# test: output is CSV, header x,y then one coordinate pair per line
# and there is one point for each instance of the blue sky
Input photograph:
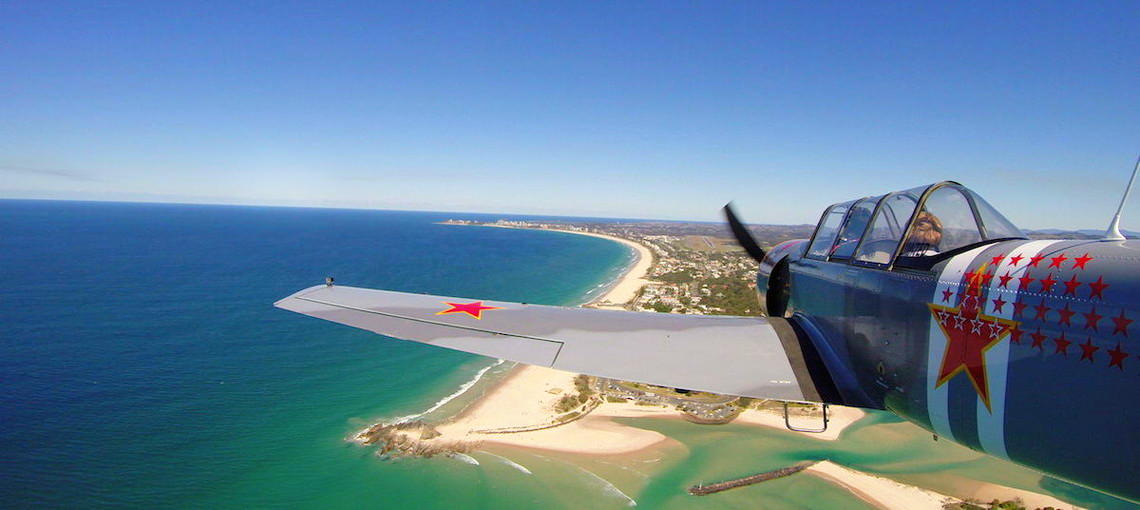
x,y
646,110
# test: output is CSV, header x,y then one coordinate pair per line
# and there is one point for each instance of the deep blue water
x,y
142,361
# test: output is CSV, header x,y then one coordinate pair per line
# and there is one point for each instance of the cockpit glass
x,y
886,231
828,228
994,224
853,229
945,222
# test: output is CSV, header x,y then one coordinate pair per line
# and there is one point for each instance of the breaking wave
x,y
443,401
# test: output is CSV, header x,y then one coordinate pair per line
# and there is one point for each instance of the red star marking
x,y
1066,314
1005,280
1079,262
966,346
1042,311
946,295
1056,261
1015,260
1047,283
1034,260
1071,286
1118,357
1091,319
1015,334
1122,323
1038,340
1062,345
473,309
999,303
1098,288
1024,281
997,260
1018,307
1087,350
986,277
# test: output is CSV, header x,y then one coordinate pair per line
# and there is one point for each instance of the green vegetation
x,y
615,400
660,307
732,296
582,384
682,276
972,504
566,403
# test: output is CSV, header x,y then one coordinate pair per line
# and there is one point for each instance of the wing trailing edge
x,y
743,356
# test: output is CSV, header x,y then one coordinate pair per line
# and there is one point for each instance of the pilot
x,y
924,237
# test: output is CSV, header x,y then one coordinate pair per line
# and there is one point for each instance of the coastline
x,y
526,396
626,286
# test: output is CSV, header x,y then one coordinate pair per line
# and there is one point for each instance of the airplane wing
x,y
746,356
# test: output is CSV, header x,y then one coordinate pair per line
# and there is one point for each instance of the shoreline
x,y
624,288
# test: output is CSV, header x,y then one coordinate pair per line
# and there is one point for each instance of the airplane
x,y
925,302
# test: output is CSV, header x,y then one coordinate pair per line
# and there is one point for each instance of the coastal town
x,y
696,268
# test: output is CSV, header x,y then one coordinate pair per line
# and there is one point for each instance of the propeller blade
x,y
743,237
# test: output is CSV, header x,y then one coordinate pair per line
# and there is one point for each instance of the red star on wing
x,y
997,260
1098,288
1047,283
1091,319
1066,314
1038,340
474,309
1056,261
1042,311
1079,262
1087,350
946,295
1015,260
1122,323
1036,259
1071,286
1118,357
1062,345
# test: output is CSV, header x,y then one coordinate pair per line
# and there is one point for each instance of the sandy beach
x,y
631,281
879,491
839,418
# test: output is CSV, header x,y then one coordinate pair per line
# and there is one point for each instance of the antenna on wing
x,y
1113,232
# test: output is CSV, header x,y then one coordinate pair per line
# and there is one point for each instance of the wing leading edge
x,y
743,356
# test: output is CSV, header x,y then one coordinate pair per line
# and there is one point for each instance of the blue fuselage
x,y
1022,349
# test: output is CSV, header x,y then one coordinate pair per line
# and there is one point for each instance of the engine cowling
x,y
773,285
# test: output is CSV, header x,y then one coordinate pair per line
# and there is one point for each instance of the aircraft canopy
x,y
909,228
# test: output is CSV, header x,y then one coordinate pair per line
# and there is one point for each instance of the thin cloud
x,y
50,172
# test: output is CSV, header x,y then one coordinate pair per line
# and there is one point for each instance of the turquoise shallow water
x,y
143,364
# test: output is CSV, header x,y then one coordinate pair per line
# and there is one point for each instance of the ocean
x,y
143,364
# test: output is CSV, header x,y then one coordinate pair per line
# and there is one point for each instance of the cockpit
x,y
914,228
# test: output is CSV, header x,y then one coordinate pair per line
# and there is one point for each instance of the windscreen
x,y
828,228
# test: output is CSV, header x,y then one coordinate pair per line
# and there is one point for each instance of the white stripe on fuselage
x,y
938,398
991,421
